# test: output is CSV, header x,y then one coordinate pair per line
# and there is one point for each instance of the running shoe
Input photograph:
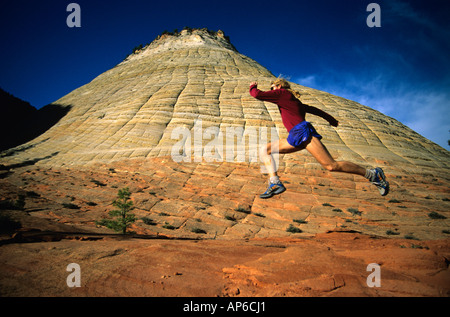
x,y
273,189
379,180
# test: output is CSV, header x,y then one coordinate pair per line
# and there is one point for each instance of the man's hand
x,y
254,83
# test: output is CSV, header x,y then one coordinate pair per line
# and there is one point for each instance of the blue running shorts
x,y
301,134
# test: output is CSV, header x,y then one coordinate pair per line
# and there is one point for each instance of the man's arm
x,y
271,95
317,112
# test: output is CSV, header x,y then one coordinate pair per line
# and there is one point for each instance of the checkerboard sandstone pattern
x,y
123,120
130,110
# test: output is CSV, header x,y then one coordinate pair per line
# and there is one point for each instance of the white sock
x,y
369,174
274,180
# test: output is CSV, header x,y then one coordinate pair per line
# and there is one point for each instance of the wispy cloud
x,y
399,9
425,109
429,35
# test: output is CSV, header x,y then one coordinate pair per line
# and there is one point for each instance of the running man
x,y
302,135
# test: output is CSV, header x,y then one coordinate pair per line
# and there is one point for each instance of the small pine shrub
x,y
123,216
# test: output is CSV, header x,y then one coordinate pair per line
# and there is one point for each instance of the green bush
x,y
198,230
354,212
293,229
435,215
148,221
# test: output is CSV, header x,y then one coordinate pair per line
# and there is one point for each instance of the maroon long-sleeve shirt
x,y
292,110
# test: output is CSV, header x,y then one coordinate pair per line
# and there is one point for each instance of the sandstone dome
x,y
131,110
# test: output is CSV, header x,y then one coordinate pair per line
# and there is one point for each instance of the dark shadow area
x,y
36,235
19,149
20,122
26,163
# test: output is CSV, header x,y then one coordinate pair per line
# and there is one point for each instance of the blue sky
x,y
401,68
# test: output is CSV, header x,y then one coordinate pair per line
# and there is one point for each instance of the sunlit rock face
x,y
197,79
